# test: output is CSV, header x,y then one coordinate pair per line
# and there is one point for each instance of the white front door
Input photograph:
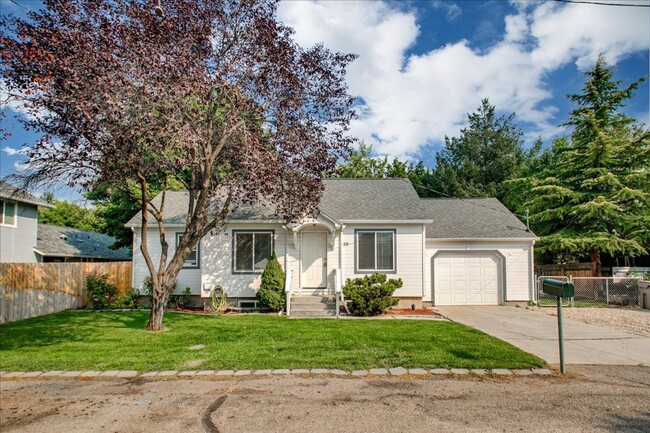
x,y
314,260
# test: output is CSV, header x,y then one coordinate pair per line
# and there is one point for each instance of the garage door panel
x,y
466,279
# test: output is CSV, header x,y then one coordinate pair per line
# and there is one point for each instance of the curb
x,y
317,372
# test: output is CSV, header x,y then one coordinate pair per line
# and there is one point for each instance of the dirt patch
x,y
633,320
410,312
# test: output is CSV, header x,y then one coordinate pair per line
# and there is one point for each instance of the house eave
x,y
522,239
388,221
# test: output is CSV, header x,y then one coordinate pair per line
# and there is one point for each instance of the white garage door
x,y
466,279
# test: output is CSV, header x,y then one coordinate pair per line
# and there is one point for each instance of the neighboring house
x,y
65,244
446,251
18,224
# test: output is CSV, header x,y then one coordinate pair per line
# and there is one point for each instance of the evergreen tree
x,y
594,195
271,292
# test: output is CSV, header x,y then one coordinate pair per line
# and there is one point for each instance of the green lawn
x,y
116,340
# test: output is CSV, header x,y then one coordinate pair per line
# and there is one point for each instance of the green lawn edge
x,y
74,340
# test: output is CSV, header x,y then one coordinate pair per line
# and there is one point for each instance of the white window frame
x,y
393,232
234,249
241,301
2,213
191,264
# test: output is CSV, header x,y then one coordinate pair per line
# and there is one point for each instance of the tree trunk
x,y
157,312
595,257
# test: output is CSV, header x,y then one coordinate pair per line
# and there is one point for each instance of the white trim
x,y
2,213
386,221
239,302
482,239
375,231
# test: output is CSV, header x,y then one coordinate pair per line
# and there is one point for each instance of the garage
x,y
467,279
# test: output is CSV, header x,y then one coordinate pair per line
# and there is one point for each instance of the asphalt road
x,y
591,399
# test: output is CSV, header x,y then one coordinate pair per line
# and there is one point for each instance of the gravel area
x,y
633,320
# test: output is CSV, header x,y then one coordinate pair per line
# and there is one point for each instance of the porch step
x,y
313,306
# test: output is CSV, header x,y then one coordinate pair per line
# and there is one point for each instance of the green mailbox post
x,y
559,289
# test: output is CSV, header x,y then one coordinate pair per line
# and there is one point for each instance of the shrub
x,y
371,295
180,301
271,293
128,300
100,291
147,285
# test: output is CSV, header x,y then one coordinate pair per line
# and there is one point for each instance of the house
x,y
446,251
65,244
18,224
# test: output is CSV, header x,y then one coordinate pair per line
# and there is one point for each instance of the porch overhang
x,y
322,220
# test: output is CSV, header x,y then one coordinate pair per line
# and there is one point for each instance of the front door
x,y
314,260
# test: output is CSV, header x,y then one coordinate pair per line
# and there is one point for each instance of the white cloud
x,y
10,151
417,100
452,10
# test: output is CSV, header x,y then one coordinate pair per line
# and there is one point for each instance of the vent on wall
x,y
247,304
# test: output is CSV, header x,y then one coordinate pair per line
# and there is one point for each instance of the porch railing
x,y
287,290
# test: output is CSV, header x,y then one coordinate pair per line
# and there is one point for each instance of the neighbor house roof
x,y
55,241
11,192
345,200
472,218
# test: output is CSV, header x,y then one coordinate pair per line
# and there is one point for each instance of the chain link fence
x,y
594,291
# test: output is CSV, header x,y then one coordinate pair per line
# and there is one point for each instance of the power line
x,y
629,5
18,4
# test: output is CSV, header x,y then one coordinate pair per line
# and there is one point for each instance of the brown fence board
x,y
34,289
566,269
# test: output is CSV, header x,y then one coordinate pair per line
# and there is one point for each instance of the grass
x,y
116,340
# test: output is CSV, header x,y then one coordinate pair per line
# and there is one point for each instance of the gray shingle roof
x,y
475,218
58,241
343,200
14,193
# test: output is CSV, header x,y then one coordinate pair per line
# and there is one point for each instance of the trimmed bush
x,y
271,293
180,301
371,295
128,300
100,291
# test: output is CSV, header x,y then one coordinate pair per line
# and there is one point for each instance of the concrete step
x,y
312,299
312,307
312,314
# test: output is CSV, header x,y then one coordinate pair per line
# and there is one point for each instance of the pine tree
x,y
271,292
594,195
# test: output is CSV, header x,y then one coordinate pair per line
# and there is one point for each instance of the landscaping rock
x,y
337,372
110,373
263,372
205,373
479,371
168,373
439,371
461,371
542,371
501,372
522,372
360,373
300,371
319,371
91,373
187,373
150,374
282,371
398,371
378,371
418,371
127,374
242,373
70,374
225,372
32,374
13,374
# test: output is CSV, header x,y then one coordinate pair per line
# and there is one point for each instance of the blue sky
x,y
424,65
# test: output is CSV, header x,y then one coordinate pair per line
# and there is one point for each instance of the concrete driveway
x,y
536,333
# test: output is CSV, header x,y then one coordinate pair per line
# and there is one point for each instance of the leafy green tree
x,y
593,195
361,164
271,292
487,153
66,214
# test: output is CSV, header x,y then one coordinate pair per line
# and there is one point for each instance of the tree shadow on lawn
x,y
65,327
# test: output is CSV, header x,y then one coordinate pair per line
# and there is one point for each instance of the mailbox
x,y
561,289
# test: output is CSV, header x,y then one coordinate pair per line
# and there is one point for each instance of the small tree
x,y
271,293
372,294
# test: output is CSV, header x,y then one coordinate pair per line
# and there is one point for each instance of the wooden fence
x,y
566,269
35,289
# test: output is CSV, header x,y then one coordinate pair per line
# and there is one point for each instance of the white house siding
x,y
186,278
409,259
216,261
518,266
17,243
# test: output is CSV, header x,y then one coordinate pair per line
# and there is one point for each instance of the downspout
x,y
424,238
531,255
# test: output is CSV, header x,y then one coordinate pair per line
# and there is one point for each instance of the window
x,y
375,250
247,304
8,213
192,260
251,250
